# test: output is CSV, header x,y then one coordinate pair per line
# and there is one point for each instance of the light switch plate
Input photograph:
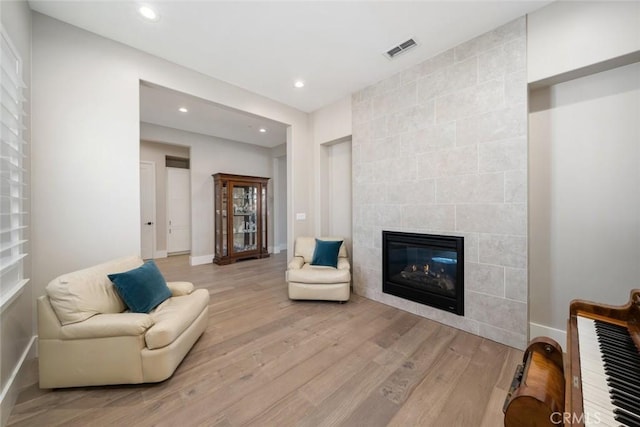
x,y
301,216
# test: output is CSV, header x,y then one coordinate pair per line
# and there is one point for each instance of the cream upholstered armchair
x,y
319,270
92,331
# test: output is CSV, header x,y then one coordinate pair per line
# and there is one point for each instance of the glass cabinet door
x,y
221,219
244,226
263,217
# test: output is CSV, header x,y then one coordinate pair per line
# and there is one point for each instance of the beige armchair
x,y
318,282
86,337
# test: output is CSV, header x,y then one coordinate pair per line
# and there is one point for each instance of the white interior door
x,y
178,210
147,209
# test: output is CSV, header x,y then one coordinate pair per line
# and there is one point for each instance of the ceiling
x,y
159,106
335,47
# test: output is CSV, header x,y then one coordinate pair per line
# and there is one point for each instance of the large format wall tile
x,y
456,161
484,278
510,251
441,148
483,188
496,218
503,155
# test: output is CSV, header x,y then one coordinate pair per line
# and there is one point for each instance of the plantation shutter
x,y
13,176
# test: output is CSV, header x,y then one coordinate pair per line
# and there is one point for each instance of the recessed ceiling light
x,y
148,13
263,130
183,110
299,83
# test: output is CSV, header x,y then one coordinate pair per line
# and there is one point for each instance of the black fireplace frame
x,y
443,302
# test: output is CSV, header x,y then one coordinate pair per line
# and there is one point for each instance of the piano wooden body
x,y
597,385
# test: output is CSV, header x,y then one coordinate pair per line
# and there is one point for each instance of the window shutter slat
x,y
13,184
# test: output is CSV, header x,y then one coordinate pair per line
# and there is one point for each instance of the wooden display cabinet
x,y
240,217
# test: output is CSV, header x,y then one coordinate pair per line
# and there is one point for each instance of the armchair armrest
x,y
296,263
180,288
108,325
343,264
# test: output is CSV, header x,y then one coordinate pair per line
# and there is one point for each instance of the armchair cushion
x,y
142,288
174,316
326,253
319,275
108,325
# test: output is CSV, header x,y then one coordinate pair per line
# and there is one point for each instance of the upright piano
x,y
596,384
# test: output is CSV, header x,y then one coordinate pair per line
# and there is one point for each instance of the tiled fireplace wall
x,y
442,148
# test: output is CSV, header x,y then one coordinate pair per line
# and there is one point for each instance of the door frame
x,y
152,165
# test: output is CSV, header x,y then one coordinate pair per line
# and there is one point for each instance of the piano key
x,y
625,382
627,356
621,375
625,403
618,343
625,388
598,397
625,419
610,363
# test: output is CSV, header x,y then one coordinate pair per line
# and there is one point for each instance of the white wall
x,y
584,148
210,155
332,122
86,205
86,139
569,35
17,318
568,42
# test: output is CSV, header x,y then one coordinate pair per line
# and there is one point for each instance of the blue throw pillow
x,y
142,289
326,253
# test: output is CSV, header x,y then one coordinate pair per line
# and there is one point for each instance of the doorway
x,y
340,189
215,138
335,196
162,155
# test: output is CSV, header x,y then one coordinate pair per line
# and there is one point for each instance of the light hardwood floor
x,y
268,361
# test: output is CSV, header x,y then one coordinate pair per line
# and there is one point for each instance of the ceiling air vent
x,y
397,50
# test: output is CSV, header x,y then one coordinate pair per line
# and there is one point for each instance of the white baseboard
x,y
201,259
12,388
160,254
536,330
278,248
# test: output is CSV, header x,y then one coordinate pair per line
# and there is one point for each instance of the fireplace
x,y
425,268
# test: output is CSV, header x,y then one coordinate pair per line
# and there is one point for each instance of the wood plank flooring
x,y
268,361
